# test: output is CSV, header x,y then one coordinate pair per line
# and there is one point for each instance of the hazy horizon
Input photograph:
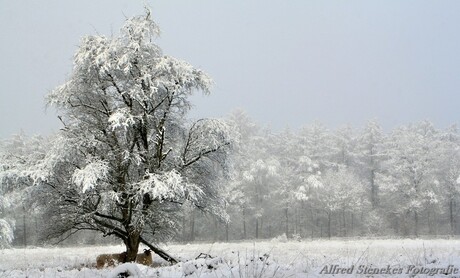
x,y
284,63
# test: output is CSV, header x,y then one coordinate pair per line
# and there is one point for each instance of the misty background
x,y
287,63
388,68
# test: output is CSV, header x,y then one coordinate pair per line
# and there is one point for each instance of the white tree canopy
x,y
127,158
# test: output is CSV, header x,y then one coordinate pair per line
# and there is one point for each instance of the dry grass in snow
x,y
244,259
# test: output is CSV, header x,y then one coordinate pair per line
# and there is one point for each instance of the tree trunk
x,y
226,231
244,224
344,223
352,224
314,220
416,223
430,225
216,229
261,228
321,230
373,190
24,235
184,233
319,223
132,245
286,228
451,217
192,226
329,234
257,228
297,228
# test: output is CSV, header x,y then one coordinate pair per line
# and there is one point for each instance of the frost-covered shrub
x,y
296,237
243,267
281,238
376,223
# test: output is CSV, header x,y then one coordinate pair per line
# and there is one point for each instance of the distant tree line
x,y
321,183
307,183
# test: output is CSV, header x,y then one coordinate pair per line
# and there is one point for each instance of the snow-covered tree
x,y
343,192
409,183
260,179
299,178
315,142
127,159
256,177
17,156
448,173
343,146
250,147
370,155
6,226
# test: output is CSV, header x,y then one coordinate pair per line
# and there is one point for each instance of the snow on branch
x,y
121,118
180,74
141,28
169,186
207,136
88,177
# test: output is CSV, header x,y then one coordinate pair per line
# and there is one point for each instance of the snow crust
x,y
275,258
130,269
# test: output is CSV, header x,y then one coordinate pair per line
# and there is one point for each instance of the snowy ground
x,y
253,259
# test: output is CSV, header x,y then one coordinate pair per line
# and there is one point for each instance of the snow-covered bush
x,y
280,238
296,237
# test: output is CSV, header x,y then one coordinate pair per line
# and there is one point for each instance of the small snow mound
x,y
125,270
201,265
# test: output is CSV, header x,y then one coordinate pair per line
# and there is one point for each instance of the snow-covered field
x,y
318,258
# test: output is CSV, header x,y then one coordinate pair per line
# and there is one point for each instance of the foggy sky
x,y
284,62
